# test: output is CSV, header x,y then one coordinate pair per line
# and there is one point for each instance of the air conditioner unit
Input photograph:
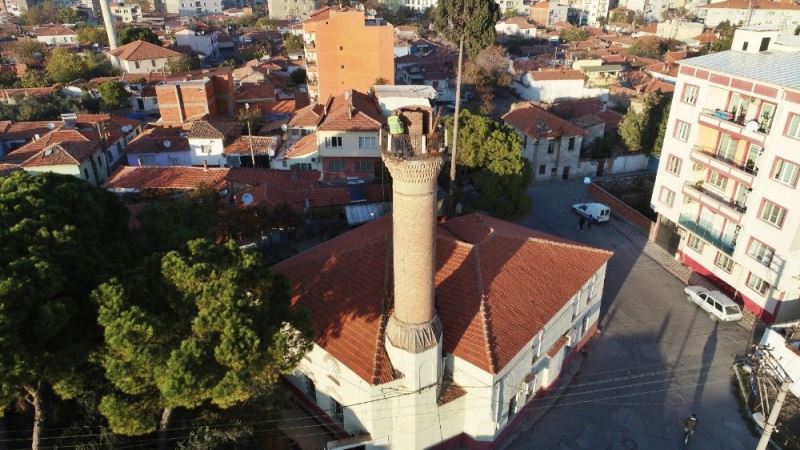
x,y
571,338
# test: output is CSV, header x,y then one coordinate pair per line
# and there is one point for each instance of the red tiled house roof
x,y
546,75
30,149
153,140
174,177
262,145
352,111
494,289
527,119
63,154
139,50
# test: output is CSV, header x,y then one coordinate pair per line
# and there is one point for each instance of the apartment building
x,y
346,49
727,180
201,93
126,13
290,9
141,57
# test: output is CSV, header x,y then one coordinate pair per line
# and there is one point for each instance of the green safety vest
x,y
395,125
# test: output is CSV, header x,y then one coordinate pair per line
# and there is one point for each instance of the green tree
x,y
639,127
292,43
69,15
130,34
299,76
61,238
207,324
651,47
92,35
34,78
182,64
113,95
42,14
28,108
64,66
491,157
253,116
573,35
470,23
8,80
662,128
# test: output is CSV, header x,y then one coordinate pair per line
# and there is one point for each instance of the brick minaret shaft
x,y
414,325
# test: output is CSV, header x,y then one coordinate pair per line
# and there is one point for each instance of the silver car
x,y
718,305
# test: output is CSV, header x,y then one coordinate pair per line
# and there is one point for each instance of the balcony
x,y
310,45
716,238
698,192
709,156
734,123
410,146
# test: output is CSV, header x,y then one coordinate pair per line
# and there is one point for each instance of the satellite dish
x,y
126,128
167,143
247,199
284,127
51,125
751,126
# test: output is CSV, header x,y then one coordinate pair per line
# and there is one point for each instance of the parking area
x,y
658,359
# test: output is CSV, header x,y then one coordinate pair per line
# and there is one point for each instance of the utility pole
x,y
250,135
769,427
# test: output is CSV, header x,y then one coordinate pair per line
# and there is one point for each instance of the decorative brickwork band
x,y
414,337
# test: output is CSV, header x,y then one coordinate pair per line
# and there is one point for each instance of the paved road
x,y
657,360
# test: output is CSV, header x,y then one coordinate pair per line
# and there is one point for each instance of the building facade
x,y
126,13
141,57
728,174
784,16
345,49
291,9
200,94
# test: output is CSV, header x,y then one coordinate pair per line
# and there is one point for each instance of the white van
x,y
718,305
595,212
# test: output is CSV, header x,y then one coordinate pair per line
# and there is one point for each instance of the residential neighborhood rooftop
x,y
768,66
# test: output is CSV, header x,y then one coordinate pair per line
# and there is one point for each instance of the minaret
x,y
414,331
109,23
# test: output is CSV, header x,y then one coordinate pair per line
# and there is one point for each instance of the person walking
x,y
581,223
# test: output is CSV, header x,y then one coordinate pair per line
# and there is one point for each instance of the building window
x,y
311,390
147,160
667,197
367,142
695,243
335,141
724,262
85,174
786,172
542,169
773,213
690,94
755,283
336,165
726,149
205,149
299,166
717,180
793,130
760,252
363,166
674,165
571,143
551,146
173,161
682,131
337,412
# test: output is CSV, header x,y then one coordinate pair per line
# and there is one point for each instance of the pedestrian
x,y
581,223
589,223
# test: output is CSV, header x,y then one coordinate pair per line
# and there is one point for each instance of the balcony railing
x,y
747,166
725,115
410,146
738,206
716,238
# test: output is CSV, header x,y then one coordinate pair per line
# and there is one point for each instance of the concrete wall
x,y
551,90
214,157
182,158
58,40
144,66
349,146
290,9
620,208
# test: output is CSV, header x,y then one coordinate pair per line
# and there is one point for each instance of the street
x,y
658,359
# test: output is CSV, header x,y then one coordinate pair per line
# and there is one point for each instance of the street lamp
x,y
250,135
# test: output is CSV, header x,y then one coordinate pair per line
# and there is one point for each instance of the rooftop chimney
x,y
109,23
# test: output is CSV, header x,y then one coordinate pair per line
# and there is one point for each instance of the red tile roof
x,y
55,31
309,116
139,50
528,118
174,177
255,91
547,75
154,140
305,146
214,129
707,37
262,145
29,150
63,154
494,289
33,92
352,111
255,177
585,107
557,346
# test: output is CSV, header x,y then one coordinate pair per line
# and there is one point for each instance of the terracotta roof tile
x,y
255,91
557,346
305,146
262,145
494,288
547,75
139,50
309,116
174,177
255,177
29,150
63,154
154,140
33,92
55,31
528,119
450,391
213,129
352,111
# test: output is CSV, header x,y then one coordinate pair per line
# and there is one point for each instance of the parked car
x,y
718,305
595,212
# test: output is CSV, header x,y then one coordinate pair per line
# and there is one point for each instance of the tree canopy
x,y
28,50
182,64
61,238
113,95
492,159
573,34
639,127
48,12
471,20
207,324
28,108
88,35
130,34
651,47
292,43
64,66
